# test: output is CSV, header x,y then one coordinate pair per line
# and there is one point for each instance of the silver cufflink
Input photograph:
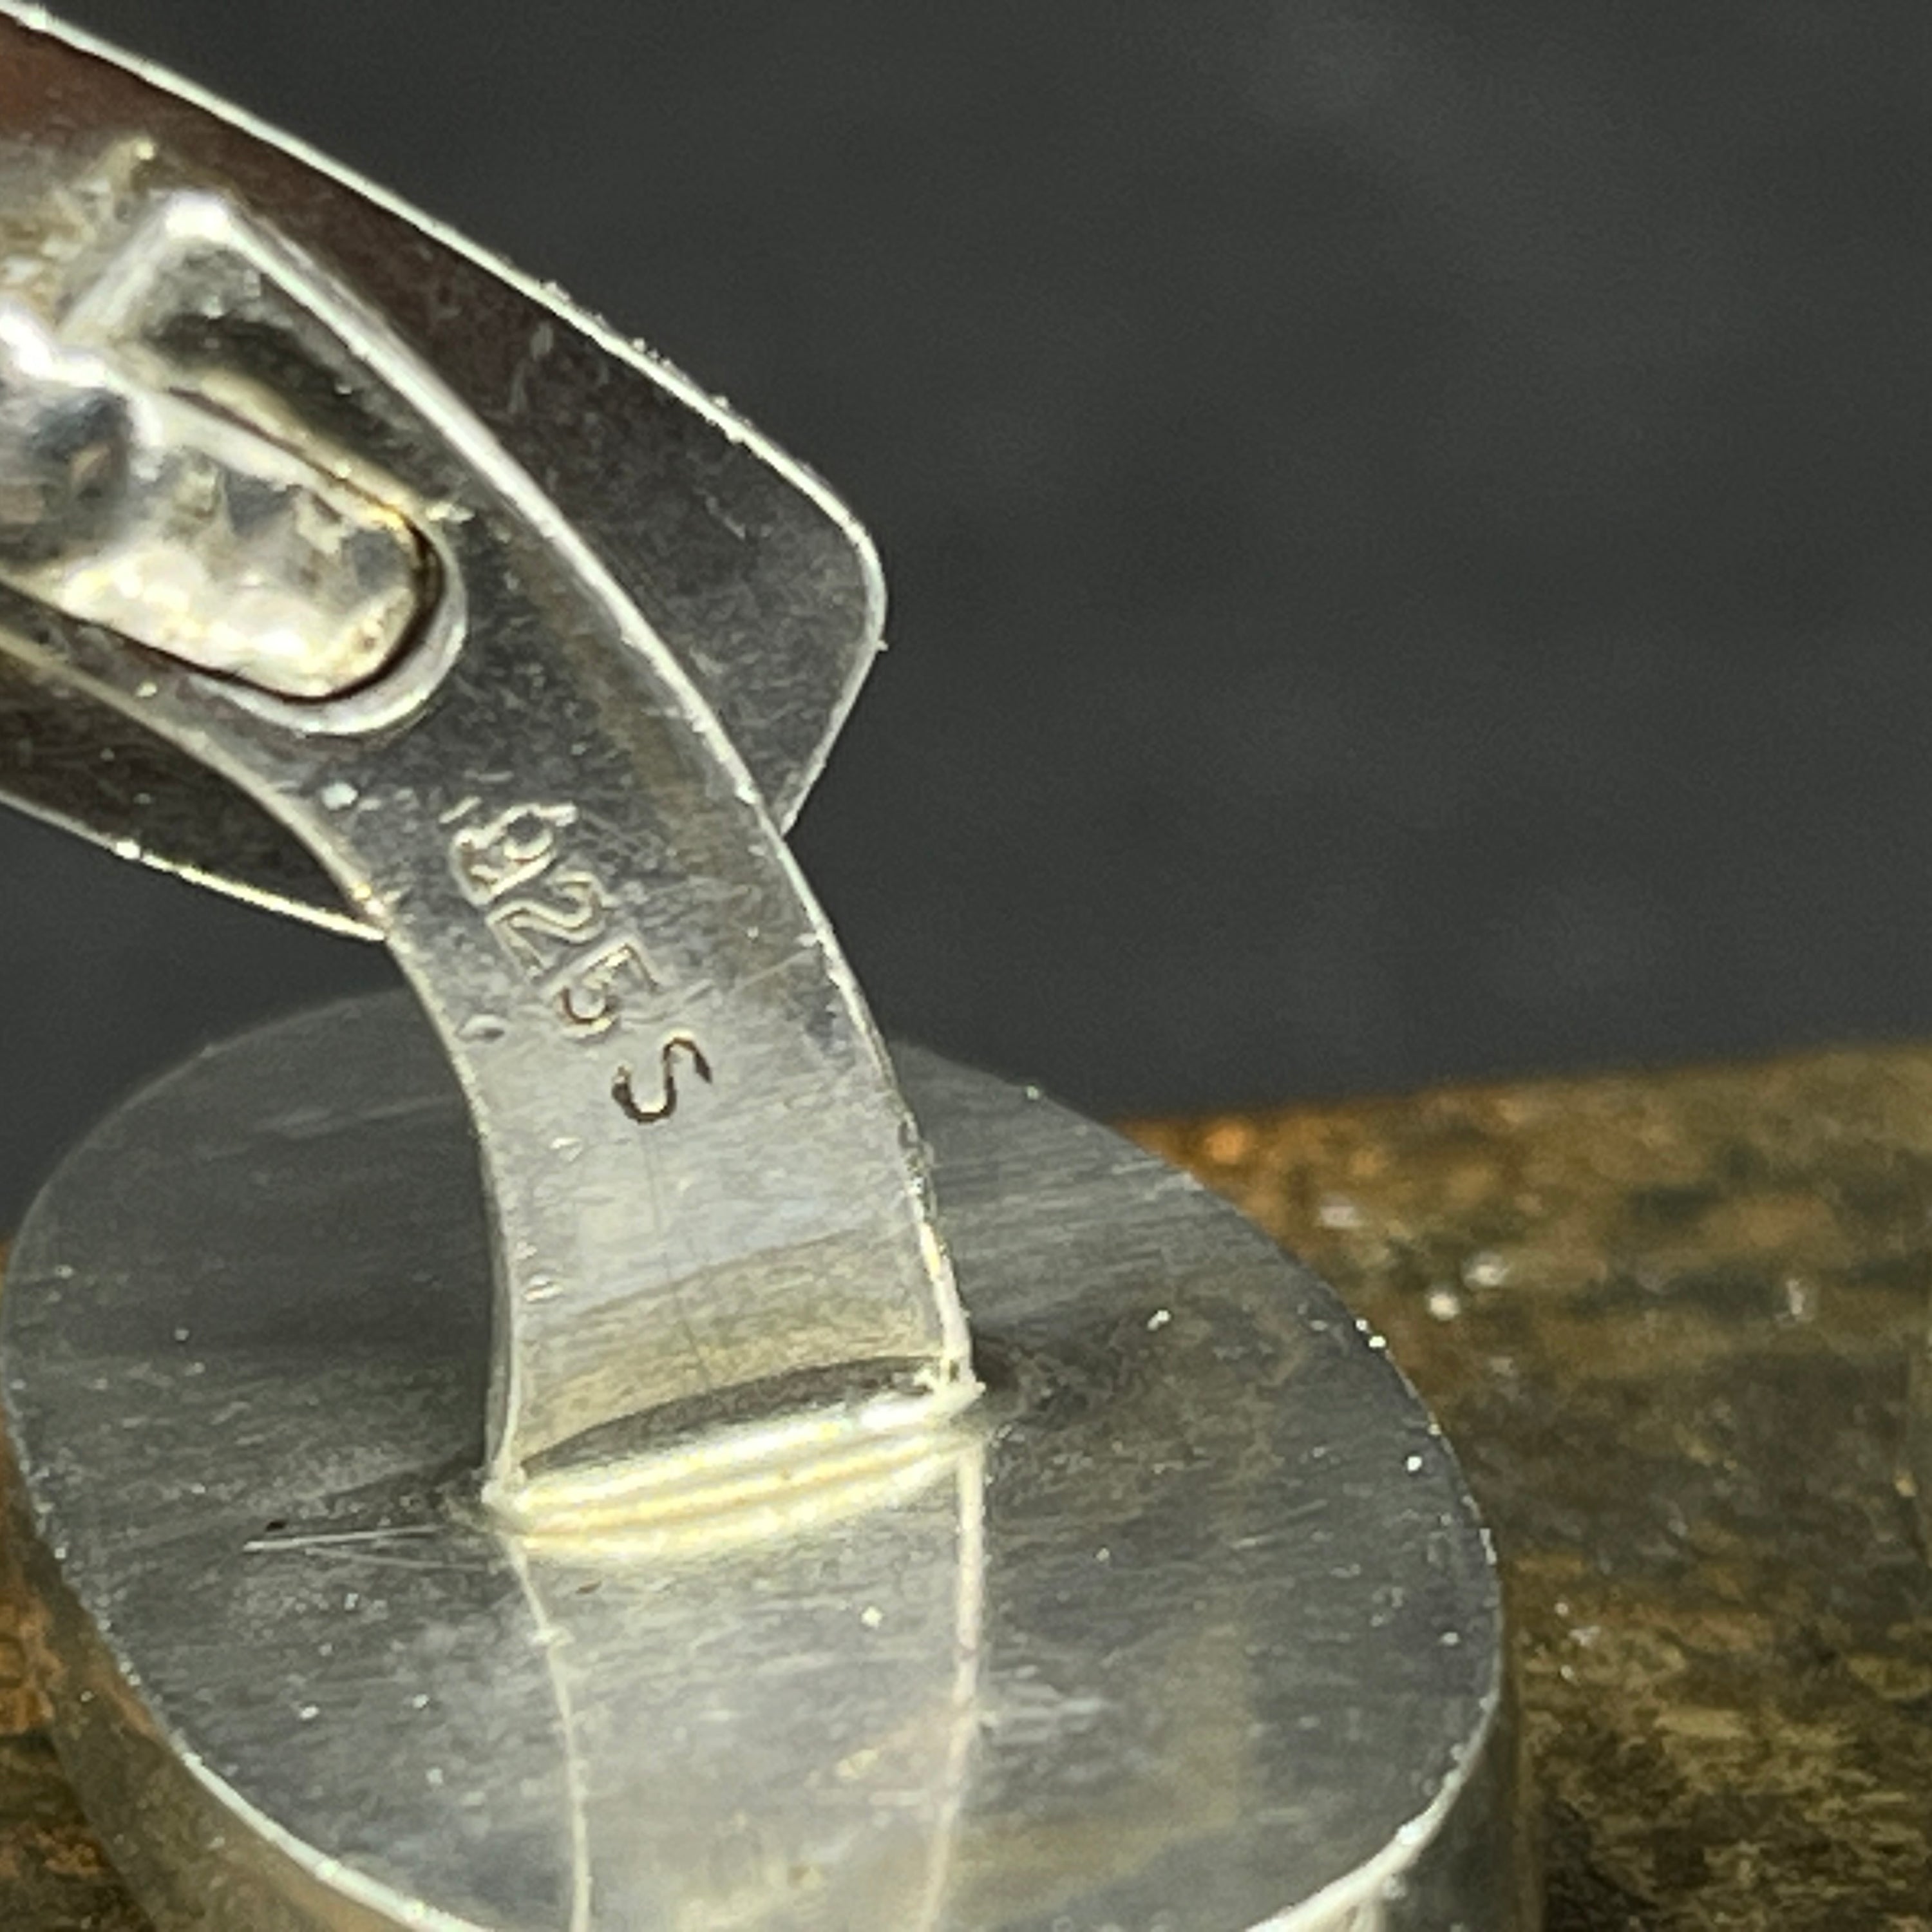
x,y
603,1444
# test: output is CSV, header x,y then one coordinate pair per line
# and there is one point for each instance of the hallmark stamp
x,y
551,915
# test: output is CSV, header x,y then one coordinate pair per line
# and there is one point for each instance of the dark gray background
x,y
1407,522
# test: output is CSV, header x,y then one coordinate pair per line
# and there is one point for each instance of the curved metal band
x,y
755,578
709,1199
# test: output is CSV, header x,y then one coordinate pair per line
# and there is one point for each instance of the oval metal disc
x,y
1190,1627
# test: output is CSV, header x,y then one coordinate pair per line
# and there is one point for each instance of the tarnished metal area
x,y
1188,1622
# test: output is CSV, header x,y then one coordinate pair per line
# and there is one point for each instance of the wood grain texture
x,y
1669,1321
54,1877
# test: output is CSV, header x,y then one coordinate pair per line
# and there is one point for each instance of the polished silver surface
x,y
516,1462
705,1187
1189,1623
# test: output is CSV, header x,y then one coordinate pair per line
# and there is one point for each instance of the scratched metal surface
x,y
1669,1320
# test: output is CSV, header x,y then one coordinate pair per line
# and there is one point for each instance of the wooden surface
x,y
1669,1320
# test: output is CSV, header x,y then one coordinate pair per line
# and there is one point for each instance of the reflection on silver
x,y
812,1736
127,507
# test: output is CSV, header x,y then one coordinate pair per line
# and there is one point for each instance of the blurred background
x,y
1407,519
